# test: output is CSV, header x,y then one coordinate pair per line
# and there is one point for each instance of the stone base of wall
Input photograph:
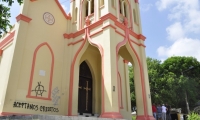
x,y
52,117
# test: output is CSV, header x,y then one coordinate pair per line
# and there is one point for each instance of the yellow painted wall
x,y
5,64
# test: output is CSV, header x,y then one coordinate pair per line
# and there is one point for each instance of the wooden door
x,y
85,89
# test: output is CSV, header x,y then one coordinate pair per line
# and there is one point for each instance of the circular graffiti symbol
x,y
39,89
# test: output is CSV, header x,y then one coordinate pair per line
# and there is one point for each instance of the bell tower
x,y
114,28
95,9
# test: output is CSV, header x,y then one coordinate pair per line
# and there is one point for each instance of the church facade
x,y
55,63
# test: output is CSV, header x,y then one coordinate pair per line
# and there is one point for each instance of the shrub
x,y
193,116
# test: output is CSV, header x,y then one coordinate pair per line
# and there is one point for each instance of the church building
x,y
76,63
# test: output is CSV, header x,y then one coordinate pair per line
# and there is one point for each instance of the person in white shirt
x,y
164,110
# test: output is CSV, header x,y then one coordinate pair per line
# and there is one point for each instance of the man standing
x,y
154,110
168,112
164,110
159,110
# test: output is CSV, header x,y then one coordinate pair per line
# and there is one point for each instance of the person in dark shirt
x,y
159,112
168,112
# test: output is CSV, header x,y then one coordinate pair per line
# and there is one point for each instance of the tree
x,y
132,86
154,72
187,80
5,15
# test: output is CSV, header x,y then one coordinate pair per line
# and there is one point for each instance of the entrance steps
x,y
53,117
88,115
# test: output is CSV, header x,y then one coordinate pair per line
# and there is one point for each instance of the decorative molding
x,y
23,18
73,43
33,0
33,69
48,18
7,40
1,52
126,61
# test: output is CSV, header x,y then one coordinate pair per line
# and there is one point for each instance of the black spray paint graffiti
x,y
39,89
55,97
29,106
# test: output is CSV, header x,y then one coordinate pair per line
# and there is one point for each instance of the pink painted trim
x,y
120,85
23,18
119,45
100,22
120,33
110,25
7,40
33,0
73,43
42,98
100,31
139,44
68,17
102,67
70,102
142,79
74,35
111,115
142,37
10,113
1,52
32,73
126,61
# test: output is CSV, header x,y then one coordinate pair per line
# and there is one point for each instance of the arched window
x,y
101,2
125,10
86,9
135,16
92,6
76,13
89,7
113,3
120,6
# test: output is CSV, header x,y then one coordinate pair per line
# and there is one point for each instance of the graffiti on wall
x,y
34,107
39,89
55,96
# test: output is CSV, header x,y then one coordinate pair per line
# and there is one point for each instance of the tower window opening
x,y
135,16
92,6
76,14
113,3
120,6
86,9
89,7
101,3
125,10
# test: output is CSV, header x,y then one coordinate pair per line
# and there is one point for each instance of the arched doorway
x,y
85,89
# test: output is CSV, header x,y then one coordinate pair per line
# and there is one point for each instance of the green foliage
x,y
132,86
172,81
193,116
5,15
133,117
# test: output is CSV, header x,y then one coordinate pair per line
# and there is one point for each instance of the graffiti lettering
x,y
55,97
34,107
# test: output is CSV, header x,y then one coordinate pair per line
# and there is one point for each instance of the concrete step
x,y
53,117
